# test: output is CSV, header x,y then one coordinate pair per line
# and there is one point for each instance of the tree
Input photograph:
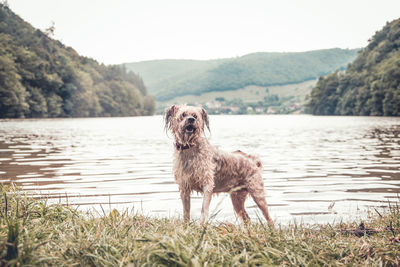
x,y
369,86
12,93
41,77
50,30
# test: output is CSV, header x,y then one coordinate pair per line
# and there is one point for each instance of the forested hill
x,y
369,86
41,77
167,79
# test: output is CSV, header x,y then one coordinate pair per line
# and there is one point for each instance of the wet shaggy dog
x,y
198,166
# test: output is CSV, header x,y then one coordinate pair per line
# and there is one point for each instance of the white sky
x,y
118,31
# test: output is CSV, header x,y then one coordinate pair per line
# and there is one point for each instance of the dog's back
x,y
249,156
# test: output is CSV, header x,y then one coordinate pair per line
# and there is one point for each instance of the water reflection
x,y
316,169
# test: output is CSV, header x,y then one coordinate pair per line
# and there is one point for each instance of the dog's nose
x,y
191,119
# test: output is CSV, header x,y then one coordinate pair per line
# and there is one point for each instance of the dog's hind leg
x,y
256,190
238,198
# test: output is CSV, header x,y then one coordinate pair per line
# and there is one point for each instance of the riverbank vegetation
x,y
33,232
369,86
282,99
41,77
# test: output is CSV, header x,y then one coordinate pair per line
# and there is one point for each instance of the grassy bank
x,y
35,233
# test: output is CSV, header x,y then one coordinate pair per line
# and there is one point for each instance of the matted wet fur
x,y
199,166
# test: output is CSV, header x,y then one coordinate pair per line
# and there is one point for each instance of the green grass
x,y
166,79
34,233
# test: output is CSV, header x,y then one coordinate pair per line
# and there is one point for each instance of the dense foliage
x,y
170,78
40,77
369,86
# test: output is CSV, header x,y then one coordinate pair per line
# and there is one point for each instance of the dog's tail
x,y
254,158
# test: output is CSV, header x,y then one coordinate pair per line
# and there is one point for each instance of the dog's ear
x,y
205,118
169,114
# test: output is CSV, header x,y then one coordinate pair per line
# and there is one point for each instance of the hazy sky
x,y
118,31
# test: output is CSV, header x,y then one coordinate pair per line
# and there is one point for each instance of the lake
x,y
316,169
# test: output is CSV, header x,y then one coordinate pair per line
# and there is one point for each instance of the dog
x,y
199,166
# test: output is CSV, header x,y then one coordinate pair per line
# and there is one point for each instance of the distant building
x,y
213,104
271,111
260,110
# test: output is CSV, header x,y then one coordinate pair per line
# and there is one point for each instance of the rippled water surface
x,y
316,169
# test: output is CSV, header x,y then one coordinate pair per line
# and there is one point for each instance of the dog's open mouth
x,y
190,129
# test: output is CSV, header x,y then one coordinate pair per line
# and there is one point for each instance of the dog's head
x,y
186,123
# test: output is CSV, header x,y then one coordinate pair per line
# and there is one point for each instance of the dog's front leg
x,y
206,205
185,196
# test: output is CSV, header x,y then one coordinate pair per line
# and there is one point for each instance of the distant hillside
x,y
157,73
171,78
40,77
369,86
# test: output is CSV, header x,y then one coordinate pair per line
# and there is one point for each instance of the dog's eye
x,y
195,116
183,114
